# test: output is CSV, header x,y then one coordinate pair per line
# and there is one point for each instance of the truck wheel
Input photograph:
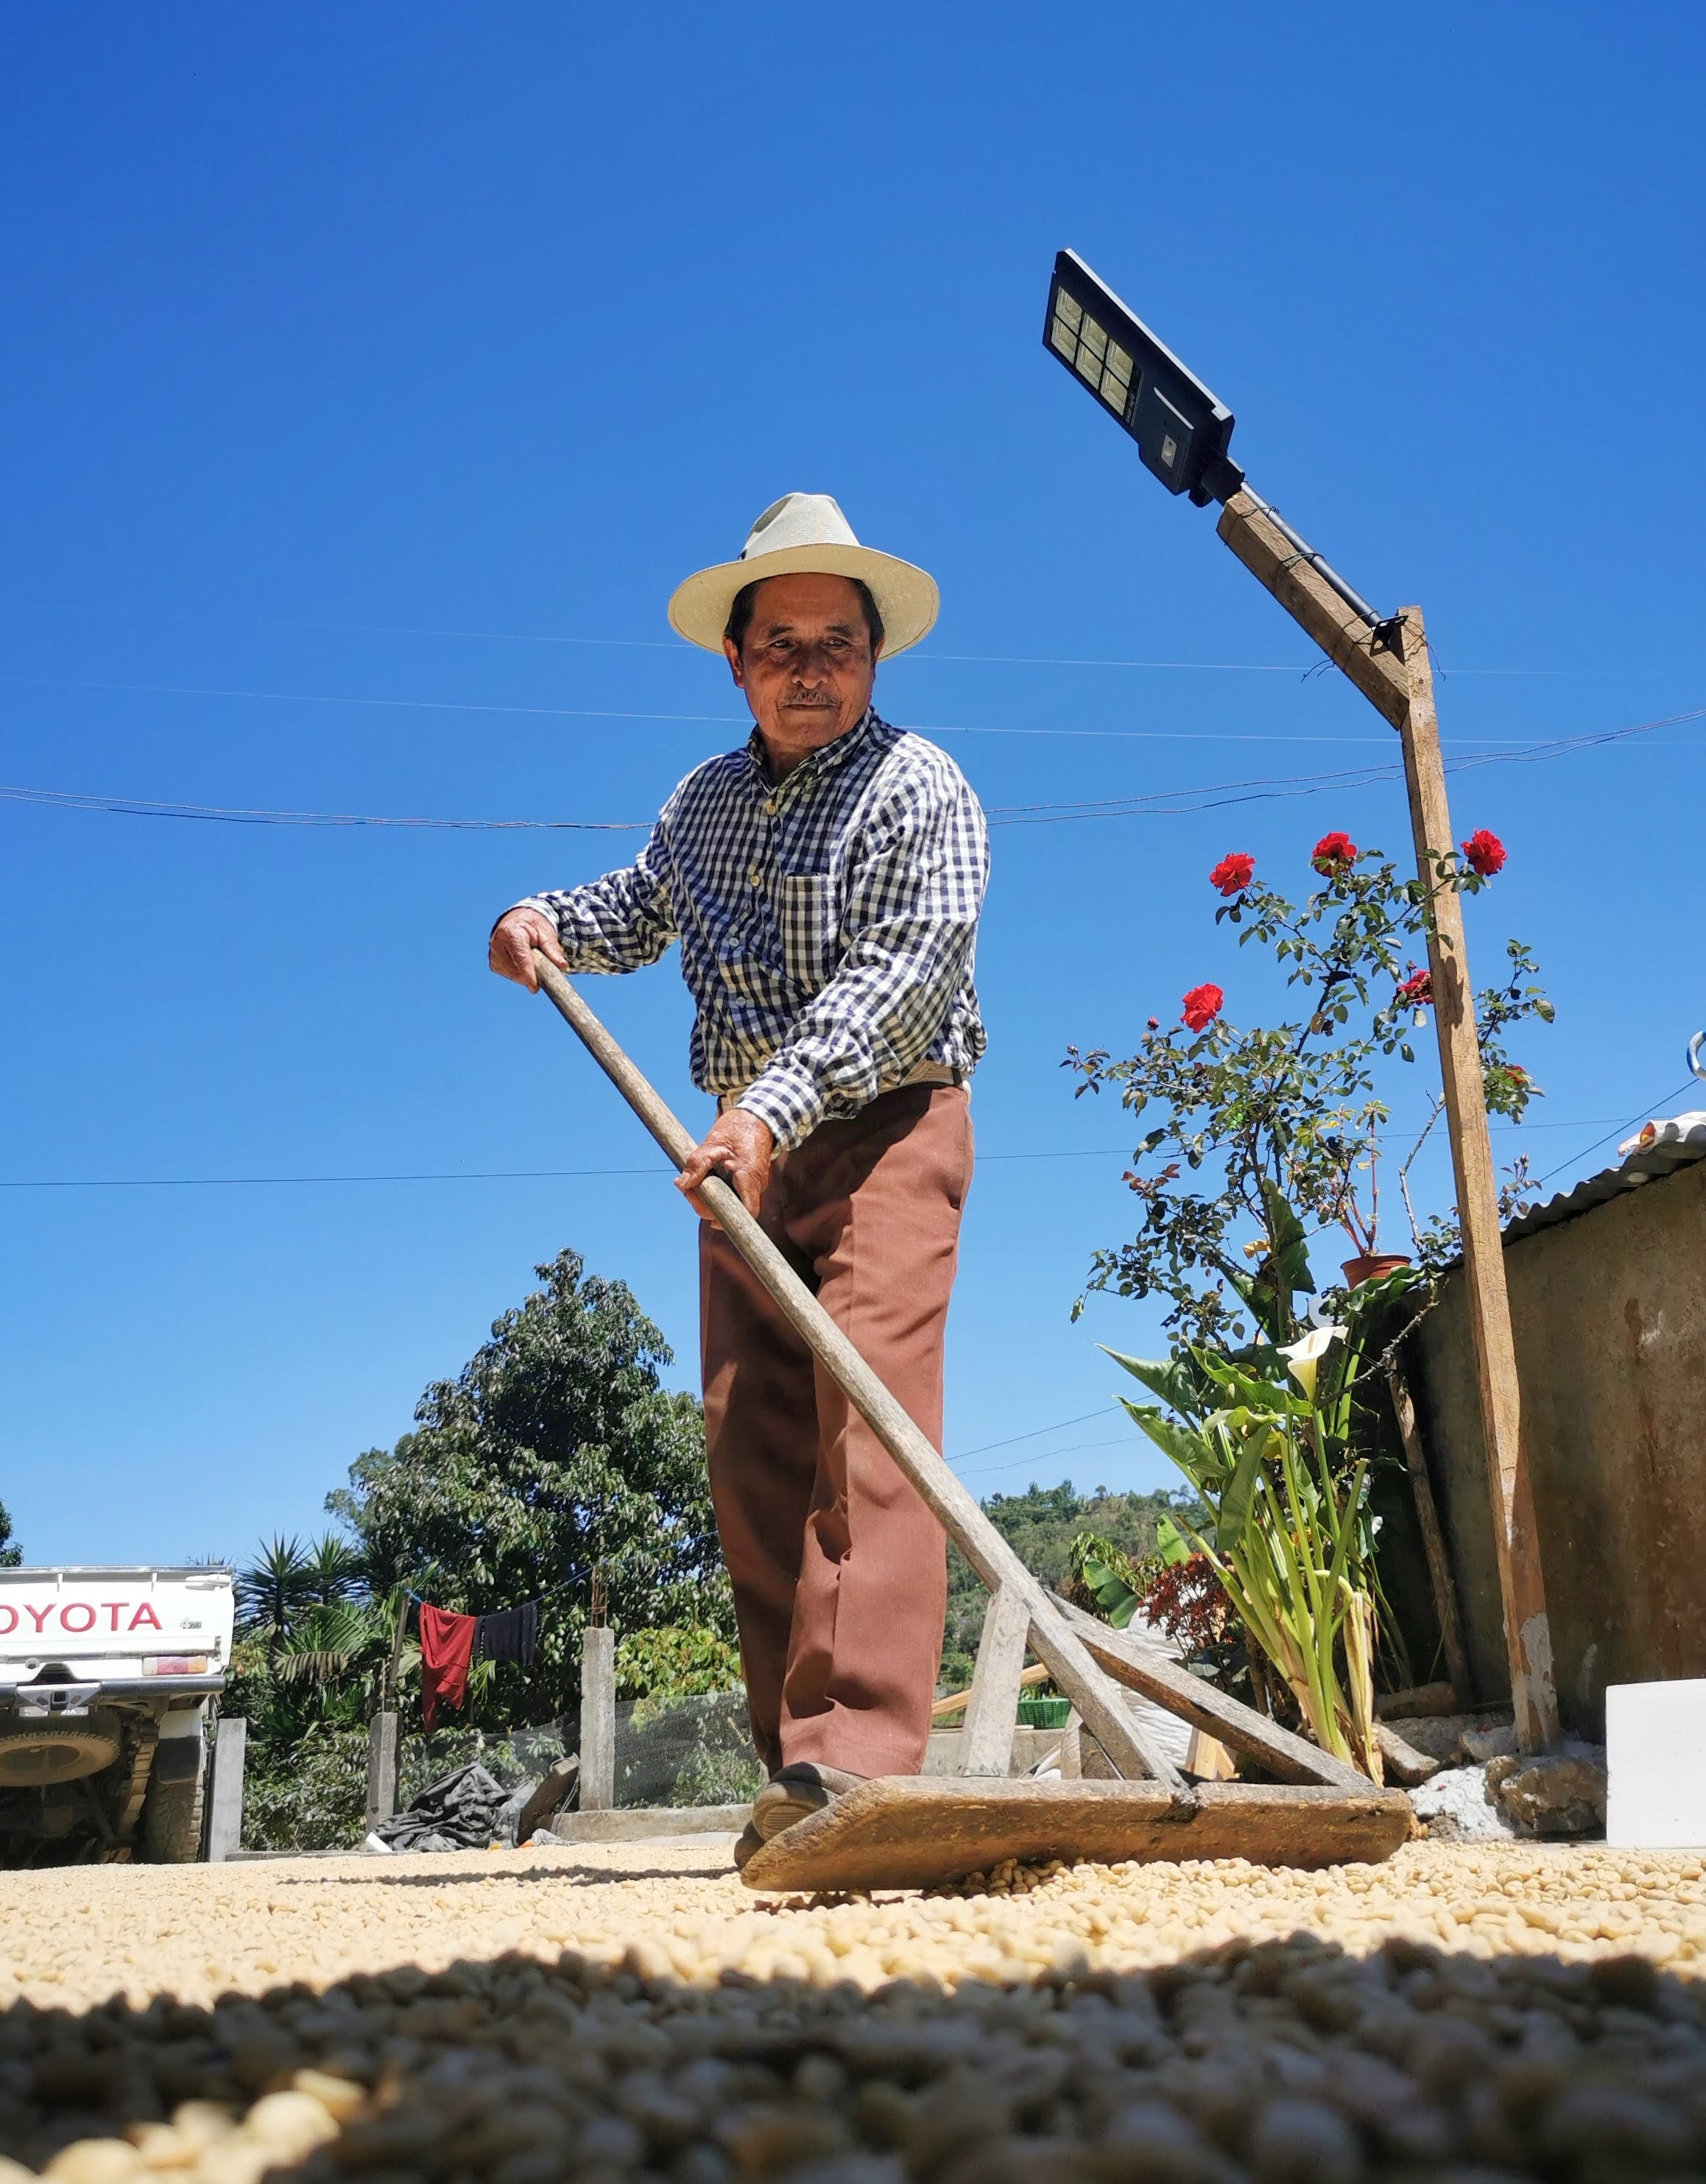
x,y
35,1753
172,1822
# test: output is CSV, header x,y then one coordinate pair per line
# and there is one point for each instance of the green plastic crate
x,y
1043,1714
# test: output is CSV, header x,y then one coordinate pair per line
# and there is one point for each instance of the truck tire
x,y
172,1822
35,1753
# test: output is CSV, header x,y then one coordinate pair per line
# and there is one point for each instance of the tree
x,y
276,1587
556,1447
11,1554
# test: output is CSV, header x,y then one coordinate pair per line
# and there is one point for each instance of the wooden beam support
x,y
1143,1667
1528,1632
1311,601
992,1712
1440,1578
957,1701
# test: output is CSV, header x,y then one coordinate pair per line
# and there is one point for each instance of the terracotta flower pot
x,y
1369,1266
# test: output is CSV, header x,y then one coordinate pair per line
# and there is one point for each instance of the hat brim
x,y
907,597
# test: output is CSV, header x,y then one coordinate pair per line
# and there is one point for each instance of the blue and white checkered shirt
x,y
827,921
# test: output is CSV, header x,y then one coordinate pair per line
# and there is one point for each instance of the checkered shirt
x,y
827,921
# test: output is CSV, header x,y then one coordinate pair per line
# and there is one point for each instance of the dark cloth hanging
x,y
447,1646
511,1634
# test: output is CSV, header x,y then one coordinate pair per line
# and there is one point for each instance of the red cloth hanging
x,y
447,1645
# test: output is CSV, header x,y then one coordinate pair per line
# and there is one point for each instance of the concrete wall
x,y
1609,1313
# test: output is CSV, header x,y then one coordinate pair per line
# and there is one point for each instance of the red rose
x,y
1155,1023
1418,990
1333,854
1486,852
1234,873
1202,1004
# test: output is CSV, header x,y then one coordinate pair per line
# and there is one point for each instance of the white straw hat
x,y
807,533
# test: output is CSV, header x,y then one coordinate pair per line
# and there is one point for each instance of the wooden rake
x,y
1092,1664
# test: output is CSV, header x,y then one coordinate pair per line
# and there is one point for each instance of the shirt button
x,y
770,807
755,876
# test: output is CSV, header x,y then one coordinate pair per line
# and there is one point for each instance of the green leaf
x,y
1174,1380
1181,1444
1238,1500
1171,1543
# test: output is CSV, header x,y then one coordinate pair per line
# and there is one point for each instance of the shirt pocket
x,y
806,912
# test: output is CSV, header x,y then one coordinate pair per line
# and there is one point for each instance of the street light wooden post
x,y
1389,664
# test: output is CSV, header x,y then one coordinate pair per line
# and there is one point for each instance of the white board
x,y
1655,1758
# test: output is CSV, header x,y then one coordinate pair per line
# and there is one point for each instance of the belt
x,y
927,1072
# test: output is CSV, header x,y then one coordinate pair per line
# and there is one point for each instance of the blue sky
x,y
373,373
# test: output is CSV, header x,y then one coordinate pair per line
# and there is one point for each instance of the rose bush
x,y
1295,1112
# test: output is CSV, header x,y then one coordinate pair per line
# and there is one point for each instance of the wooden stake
x,y
1528,1633
993,1712
1440,1578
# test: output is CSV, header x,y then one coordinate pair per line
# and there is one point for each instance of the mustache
x,y
814,699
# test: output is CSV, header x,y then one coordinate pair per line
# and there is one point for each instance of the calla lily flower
x,y
1304,1358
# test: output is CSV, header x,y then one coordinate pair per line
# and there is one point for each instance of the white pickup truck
x,y
105,1677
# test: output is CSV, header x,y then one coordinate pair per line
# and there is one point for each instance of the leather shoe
x,y
796,1793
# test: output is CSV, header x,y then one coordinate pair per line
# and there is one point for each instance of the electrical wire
x,y
559,1175
1642,1115
444,1175
1035,1434
1048,1456
682,650
715,720
1172,803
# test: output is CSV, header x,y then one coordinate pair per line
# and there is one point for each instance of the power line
x,y
714,720
1652,1108
443,1175
557,1174
681,650
1172,803
1035,1434
1048,1456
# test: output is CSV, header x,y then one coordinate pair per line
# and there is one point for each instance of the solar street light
x,y
1182,430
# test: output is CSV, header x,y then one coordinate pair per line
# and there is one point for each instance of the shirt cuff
x,y
786,1099
530,902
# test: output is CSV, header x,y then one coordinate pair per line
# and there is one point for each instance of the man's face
x,y
806,664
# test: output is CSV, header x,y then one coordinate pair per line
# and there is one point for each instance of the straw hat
x,y
806,532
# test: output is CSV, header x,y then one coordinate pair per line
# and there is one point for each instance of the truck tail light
x,y
175,1664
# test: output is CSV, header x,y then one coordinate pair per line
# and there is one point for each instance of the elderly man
x,y
825,883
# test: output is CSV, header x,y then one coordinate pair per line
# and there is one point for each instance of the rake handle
x,y
950,1502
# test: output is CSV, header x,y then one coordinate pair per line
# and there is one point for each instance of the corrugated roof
x,y
1662,1157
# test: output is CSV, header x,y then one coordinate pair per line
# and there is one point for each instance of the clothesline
x,y
451,1641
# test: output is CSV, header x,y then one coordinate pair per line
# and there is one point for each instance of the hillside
x,y
1041,1523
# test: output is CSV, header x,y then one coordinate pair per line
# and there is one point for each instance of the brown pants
x,y
839,1571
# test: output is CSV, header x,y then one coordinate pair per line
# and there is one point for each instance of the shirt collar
x,y
827,759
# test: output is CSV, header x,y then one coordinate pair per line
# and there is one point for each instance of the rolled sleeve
x,y
621,923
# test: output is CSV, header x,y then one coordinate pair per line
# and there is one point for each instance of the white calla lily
x,y
1304,1358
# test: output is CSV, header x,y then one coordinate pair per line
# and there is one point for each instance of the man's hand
x,y
739,1148
514,939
